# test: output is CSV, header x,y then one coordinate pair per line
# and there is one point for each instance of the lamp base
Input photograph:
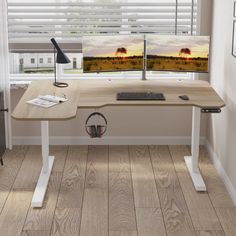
x,y
60,84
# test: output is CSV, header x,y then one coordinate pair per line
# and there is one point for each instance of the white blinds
x,y
34,22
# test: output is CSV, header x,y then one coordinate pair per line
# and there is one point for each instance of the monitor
x,y
177,53
113,53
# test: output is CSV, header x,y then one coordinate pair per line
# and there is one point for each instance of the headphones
x,y
96,131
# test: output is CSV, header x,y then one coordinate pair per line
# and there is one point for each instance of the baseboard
x,y
215,159
108,140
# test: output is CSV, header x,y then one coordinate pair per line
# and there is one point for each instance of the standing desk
x,y
97,94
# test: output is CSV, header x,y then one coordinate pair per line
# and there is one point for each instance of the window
x,y
33,23
30,63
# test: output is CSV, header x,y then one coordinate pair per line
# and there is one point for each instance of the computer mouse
x,y
184,97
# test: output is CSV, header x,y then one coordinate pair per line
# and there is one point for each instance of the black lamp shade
x,y
61,57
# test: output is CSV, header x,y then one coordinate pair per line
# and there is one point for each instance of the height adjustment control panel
x,y
211,110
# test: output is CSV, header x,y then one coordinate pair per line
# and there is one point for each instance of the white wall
x,y
160,125
222,128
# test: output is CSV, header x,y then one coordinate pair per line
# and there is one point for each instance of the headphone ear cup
x,y
99,131
93,131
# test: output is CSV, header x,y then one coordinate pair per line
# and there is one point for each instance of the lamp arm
x,y
55,43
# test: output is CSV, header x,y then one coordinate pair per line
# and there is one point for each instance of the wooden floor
x,y
116,191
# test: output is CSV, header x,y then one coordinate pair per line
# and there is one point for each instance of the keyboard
x,y
134,96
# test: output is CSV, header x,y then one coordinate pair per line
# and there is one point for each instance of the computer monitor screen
x,y
113,53
177,53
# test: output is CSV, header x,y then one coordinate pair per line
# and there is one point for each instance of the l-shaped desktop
x,y
83,94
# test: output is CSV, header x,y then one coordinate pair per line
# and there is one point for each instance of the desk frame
x,y
41,187
192,161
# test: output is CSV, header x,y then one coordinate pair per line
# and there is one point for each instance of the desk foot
x,y
195,175
42,184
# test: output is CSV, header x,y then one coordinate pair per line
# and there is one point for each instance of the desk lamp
x,y
60,59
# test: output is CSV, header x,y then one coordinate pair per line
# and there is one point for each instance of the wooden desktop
x,y
100,93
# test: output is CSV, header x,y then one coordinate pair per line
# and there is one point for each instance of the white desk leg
x,y
42,184
192,161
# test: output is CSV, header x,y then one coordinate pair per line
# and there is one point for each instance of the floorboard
x,y
35,233
68,211
121,202
150,222
121,199
97,167
72,186
12,162
123,233
66,222
210,233
119,159
175,211
227,218
144,187
94,221
14,213
31,165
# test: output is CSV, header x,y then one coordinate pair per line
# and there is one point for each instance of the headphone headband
x,y
94,114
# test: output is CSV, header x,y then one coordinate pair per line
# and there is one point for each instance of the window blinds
x,y
35,23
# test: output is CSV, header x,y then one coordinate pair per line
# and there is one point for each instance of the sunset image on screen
x,y
112,53
177,53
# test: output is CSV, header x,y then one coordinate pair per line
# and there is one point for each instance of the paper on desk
x,y
47,101
52,98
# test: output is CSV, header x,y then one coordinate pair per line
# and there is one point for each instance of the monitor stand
x,y
144,59
144,74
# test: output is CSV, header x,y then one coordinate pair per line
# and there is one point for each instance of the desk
x,y
97,94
